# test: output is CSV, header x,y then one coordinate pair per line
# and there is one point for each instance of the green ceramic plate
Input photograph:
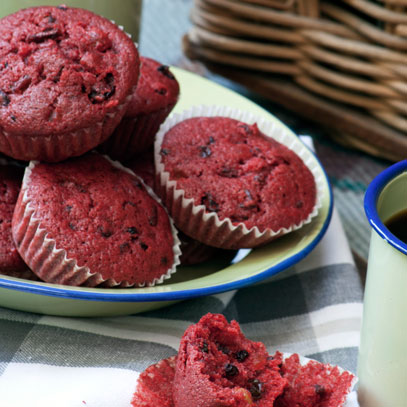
x,y
208,278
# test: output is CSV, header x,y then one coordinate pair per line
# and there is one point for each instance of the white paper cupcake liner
x,y
50,262
206,227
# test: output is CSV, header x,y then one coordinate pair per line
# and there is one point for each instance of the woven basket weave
x,y
352,52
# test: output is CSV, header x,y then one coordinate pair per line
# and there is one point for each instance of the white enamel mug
x,y
382,363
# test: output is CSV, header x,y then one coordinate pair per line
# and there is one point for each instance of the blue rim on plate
x,y
372,195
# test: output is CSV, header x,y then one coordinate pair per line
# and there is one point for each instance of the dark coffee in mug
x,y
397,225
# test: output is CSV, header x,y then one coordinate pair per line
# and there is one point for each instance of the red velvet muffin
x,y
10,182
155,384
313,384
218,366
66,80
88,221
230,185
155,96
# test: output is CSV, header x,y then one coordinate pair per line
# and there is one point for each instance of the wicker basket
x,y
349,54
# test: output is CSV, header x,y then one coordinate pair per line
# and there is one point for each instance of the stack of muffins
x,y
74,94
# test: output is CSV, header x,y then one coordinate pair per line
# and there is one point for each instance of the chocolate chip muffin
x,y
89,221
229,185
66,76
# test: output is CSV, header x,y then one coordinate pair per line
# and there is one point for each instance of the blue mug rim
x,y
370,202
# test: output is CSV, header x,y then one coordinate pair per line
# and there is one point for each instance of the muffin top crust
x,y
234,170
62,69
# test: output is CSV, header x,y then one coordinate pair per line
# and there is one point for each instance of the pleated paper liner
x,y
51,263
206,227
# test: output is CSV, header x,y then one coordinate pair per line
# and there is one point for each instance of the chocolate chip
x,y
161,91
132,230
210,204
223,348
12,117
51,19
241,355
153,219
124,247
299,204
164,260
22,84
204,347
143,246
238,218
104,233
255,389
248,194
231,370
164,151
109,78
211,140
63,8
320,390
205,151
246,128
103,92
228,172
72,226
165,70
47,34
4,99
68,208
58,75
